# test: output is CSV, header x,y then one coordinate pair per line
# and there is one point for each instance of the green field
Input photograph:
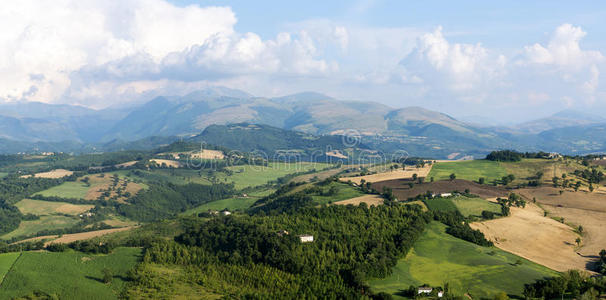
x,y
438,258
38,207
6,261
249,176
345,192
235,203
469,170
69,275
45,222
440,204
474,206
3,174
243,176
69,189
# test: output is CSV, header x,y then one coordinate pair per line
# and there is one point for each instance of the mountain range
x,y
28,126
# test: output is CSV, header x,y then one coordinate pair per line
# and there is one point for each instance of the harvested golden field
x,y
207,154
38,207
577,208
527,233
58,173
336,154
108,186
126,164
390,175
198,154
166,162
368,199
68,238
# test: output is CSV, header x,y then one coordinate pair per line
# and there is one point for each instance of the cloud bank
x,y
100,53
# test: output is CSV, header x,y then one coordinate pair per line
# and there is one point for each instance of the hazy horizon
x,y
508,63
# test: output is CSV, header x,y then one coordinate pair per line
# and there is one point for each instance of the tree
x,y
578,241
415,176
453,176
107,275
561,192
555,181
481,180
431,179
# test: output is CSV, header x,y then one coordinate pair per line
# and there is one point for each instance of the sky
x,y
492,62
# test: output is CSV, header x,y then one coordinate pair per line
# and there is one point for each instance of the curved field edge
x,y
438,258
69,275
6,262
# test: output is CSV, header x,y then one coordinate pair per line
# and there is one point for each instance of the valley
x,y
489,219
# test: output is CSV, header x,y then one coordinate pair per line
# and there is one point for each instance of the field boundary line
x,y
10,269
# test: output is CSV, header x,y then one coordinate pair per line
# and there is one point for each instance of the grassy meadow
x,y
235,203
243,176
38,207
474,206
6,262
469,170
45,222
438,258
69,189
344,192
69,275
440,204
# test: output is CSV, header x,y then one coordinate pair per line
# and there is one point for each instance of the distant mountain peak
x,y
219,91
304,96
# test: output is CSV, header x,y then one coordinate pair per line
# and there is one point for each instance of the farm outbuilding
x,y
306,238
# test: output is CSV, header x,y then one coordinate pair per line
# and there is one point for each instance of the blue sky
x,y
507,62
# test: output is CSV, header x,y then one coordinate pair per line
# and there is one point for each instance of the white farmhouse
x,y
306,238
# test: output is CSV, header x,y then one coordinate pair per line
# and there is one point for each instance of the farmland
x,y
44,223
438,258
243,176
473,206
368,199
440,204
577,208
343,192
529,234
391,174
95,186
70,189
235,203
80,274
6,262
38,207
470,170
403,191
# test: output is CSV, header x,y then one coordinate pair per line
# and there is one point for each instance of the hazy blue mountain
x,y
410,128
566,118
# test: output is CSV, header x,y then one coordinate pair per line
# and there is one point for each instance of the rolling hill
x,y
47,127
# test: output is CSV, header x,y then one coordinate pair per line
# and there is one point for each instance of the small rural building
x,y
283,232
427,290
306,238
226,213
444,195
